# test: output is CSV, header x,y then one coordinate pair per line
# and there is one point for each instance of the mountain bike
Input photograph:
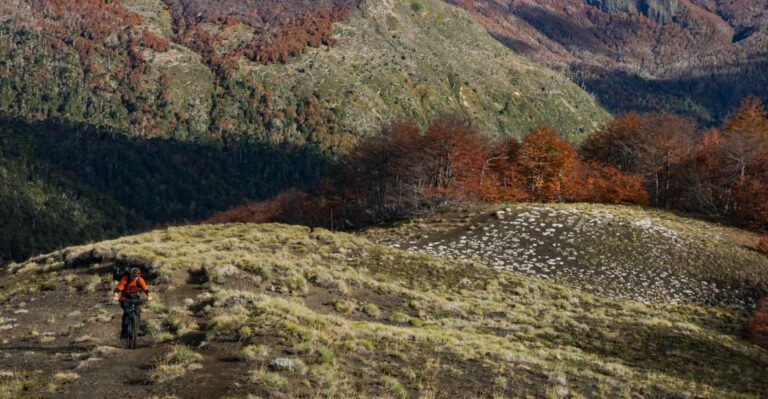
x,y
134,322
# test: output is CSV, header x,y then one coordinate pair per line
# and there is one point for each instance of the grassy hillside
x,y
621,252
418,59
347,317
117,65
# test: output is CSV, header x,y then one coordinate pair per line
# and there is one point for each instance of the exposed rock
x,y
283,364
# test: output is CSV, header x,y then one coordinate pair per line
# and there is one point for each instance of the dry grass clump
x,y
372,310
393,387
178,362
254,353
344,306
328,280
399,317
268,379
178,321
66,377
19,384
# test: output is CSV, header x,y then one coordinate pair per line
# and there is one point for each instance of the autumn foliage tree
x,y
653,146
722,173
607,185
548,166
406,170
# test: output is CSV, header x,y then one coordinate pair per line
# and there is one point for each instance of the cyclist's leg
x,y
138,318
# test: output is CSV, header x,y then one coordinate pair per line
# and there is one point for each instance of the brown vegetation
x,y
661,159
757,330
404,170
718,173
280,29
762,246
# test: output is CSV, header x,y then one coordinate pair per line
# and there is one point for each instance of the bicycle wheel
x,y
125,335
134,331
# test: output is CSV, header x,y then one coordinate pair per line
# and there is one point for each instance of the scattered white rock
x,y
283,364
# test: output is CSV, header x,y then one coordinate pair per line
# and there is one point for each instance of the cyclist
x,y
128,290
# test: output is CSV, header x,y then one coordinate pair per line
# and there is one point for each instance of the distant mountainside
x,y
63,184
297,71
697,57
42,210
230,101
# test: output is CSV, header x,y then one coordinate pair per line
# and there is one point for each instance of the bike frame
x,y
134,321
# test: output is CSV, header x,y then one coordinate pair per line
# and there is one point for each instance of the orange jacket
x,y
126,286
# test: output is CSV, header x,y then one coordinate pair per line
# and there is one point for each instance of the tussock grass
x,y
268,379
176,363
66,377
372,310
255,353
393,387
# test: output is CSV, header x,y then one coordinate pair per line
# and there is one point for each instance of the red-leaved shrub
x,y
762,246
757,331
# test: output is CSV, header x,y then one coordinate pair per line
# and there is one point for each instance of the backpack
x,y
120,270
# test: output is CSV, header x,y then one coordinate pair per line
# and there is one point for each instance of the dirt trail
x,y
66,329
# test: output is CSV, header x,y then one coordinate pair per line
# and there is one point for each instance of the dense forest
x,y
65,184
662,160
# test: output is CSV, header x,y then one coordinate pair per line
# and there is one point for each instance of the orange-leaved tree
x,y
455,155
547,165
608,185
750,119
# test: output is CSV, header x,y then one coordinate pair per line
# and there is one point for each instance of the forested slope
x,y
323,74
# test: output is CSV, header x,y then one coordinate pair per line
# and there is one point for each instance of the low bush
x,y
762,246
758,327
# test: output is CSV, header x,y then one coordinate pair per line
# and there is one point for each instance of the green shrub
x,y
372,310
326,355
399,317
